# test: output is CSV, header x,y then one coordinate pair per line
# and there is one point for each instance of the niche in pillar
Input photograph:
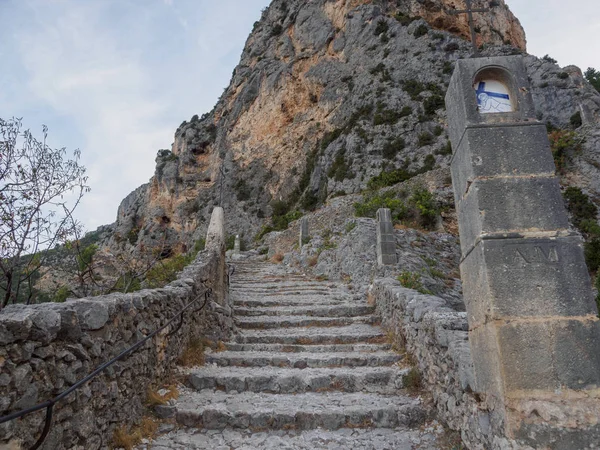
x,y
493,87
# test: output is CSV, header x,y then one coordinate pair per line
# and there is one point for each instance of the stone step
x,y
284,292
314,335
328,348
344,438
328,410
283,284
272,322
381,380
342,310
288,300
303,359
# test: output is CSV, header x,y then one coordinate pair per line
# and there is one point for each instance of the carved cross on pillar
x,y
469,11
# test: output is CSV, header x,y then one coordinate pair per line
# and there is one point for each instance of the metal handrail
x,y
49,404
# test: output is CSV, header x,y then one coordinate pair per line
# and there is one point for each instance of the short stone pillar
x,y
304,236
236,245
386,240
533,325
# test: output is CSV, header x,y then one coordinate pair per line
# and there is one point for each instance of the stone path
x,y
310,369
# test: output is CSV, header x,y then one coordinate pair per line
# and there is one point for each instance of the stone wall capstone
x,y
46,348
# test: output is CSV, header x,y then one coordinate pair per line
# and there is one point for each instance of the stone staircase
x,y
310,369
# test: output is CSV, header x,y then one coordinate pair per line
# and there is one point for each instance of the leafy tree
x,y
40,187
593,76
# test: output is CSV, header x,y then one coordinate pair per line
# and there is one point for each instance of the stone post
x,y
533,325
386,240
215,242
304,236
236,245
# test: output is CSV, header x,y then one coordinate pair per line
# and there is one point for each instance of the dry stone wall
x,y
437,337
46,348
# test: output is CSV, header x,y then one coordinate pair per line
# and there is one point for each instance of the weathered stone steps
x,y
303,359
289,381
273,322
292,348
327,410
318,439
289,300
314,335
309,369
341,310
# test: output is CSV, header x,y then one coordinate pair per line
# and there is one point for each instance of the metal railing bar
x,y
46,430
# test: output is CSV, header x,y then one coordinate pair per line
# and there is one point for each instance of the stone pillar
x,y
236,245
304,236
533,325
386,240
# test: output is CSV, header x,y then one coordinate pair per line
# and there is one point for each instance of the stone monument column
x,y
304,236
386,240
533,325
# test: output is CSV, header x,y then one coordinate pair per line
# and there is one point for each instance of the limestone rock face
x,y
326,96
498,26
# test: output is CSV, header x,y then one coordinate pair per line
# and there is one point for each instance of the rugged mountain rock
x,y
327,95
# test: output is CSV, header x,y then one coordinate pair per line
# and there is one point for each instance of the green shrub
x,y
592,254
350,226
549,59
389,178
421,30
242,190
563,143
381,70
447,68
580,206
372,202
406,111
167,269
593,77
446,149
412,280
432,104
230,242
413,88
452,47
84,259
403,18
340,169
428,163
425,206
61,294
562,75
382,27
393,147
590,227
386,117
425,139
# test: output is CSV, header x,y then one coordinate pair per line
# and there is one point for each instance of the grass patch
x,y
413,381
412,280
193,355
128,439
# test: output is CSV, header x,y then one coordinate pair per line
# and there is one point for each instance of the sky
x,y
115,78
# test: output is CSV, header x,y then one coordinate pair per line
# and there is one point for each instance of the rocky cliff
x,y
329,94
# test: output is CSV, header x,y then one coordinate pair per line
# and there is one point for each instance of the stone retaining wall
x,y
46,348
437,337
